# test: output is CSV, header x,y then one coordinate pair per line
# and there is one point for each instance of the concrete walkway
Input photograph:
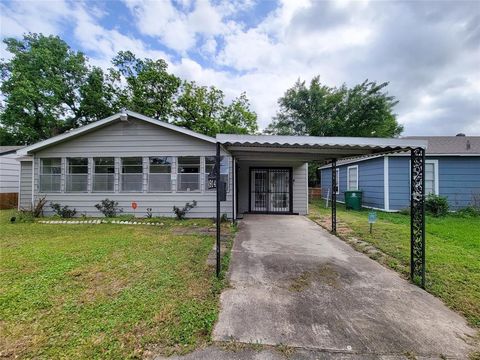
x,y
294,284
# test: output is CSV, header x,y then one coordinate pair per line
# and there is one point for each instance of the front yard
x,y
452,251
105,291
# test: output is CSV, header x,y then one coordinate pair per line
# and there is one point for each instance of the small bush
x,y
436,205
35,211
109,208
24,216
181,212
64,212
469,211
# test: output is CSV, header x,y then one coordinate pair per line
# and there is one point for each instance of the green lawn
x,y
452,251
105,291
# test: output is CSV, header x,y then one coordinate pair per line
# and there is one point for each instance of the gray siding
x,y
300,183
370,181
459,180
25,196
9,173
135,138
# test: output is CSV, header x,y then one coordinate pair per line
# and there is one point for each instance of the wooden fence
x,y
8,201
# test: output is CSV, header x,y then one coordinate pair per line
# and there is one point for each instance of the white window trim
x,y
338,181
200,174
348,176
40,173
93,173
436,177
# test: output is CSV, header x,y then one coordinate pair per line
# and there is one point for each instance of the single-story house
x,y
9,176
452,169
129,157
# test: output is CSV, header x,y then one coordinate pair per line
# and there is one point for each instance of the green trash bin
x,y
353,199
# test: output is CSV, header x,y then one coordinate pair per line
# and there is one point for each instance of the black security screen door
x,y
271,190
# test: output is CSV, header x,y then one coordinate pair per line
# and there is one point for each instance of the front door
x,y
271,190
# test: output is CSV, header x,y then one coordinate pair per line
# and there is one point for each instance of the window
x,y
352,177
132,174
50,174
188,175
431,177
224,169
103,174
338,182
77,175
159,177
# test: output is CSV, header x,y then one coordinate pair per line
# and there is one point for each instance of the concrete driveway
x,y
295,284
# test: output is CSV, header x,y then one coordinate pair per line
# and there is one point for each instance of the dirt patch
x,y
325,274
194,231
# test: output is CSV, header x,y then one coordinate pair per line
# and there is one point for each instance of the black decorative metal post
x,y
334,196
217,181
417,216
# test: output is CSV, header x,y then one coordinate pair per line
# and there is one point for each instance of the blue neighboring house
x,y
452,169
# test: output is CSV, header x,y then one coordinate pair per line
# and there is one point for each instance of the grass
x,y
105,291
452,251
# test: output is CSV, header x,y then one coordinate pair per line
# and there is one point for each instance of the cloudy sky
x,y
429,51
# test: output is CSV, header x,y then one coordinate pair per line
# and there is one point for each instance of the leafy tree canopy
x,y
319,110
48,88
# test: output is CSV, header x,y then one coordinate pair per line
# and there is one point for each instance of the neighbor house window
x,y
338,182
77,175
159,177
103,174
224,169
50,174
188,174
431,177
352,177
132,174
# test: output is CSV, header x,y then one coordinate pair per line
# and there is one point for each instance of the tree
x,y
47,88
149,89
203,109
319,110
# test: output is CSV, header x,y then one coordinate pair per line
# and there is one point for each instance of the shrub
x,y
109,208
469,211
35,211
181,212
64,212
436,205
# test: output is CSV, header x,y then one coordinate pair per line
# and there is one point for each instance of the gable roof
x,y
451,145
437,145
104,122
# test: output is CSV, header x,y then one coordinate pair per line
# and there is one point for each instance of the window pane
x,y
352,179
50,174
77,166
189,165
104,165
159,182
188,182
132,165
51,166
77,182
429,187
161,165
132,182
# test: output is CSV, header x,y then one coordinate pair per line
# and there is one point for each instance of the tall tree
x,y
46,88
319,110
203,109
149,89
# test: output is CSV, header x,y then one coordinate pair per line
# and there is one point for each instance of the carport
x,y
274,148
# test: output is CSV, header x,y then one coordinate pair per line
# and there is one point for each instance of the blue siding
x,y
459,180
399,182
370,181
